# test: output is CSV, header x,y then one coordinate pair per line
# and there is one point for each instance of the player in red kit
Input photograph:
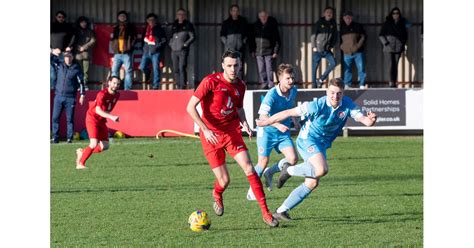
x,y
221,96
96,120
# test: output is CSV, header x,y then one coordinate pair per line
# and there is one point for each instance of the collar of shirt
x,y
281,93
329,104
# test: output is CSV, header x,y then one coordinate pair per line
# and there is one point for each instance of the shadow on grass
x,y
372,195
263,227
356,220
364,157
187,188
368,178
161,165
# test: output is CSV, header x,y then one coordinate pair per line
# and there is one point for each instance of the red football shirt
x,y
219,102
105,101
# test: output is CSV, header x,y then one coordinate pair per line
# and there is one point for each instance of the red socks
x,y
97,149
87,152
218,190
257,189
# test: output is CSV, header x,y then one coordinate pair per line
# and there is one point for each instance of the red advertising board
x,y
142,113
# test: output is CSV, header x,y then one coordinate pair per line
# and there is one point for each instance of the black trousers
x,y
179,59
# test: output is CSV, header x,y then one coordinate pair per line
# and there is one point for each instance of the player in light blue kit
x,y
324,119
277,136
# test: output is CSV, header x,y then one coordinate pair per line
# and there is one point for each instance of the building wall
x,y
295,17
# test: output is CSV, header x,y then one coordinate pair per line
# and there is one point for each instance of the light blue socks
x,y
304,169
277,166
296,197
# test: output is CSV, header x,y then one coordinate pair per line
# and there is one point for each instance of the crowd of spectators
x,y
262,37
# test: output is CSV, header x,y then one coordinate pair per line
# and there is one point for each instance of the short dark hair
x,y
329,7
123,12
62,13
151,15
231,54
234,5
112,77
336,82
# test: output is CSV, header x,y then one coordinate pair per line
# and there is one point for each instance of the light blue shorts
x,y
267,141
310,147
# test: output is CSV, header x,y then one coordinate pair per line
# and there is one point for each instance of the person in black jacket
x,y
182,35
323,39
62,39
154,39
69,80
234,32
394,37
265,45
84,41
62,33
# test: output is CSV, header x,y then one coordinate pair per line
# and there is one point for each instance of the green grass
x,y
372,197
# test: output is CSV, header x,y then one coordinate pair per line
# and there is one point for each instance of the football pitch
x,y
140,193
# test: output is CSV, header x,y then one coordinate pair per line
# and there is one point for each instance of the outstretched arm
x,y
106,114
191,109
368,120
278,117
276,125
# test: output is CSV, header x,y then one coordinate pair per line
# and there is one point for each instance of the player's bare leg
x,y
221,183
243,159
94,146
79,152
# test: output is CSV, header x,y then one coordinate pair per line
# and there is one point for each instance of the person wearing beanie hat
x,y
353,37
123,40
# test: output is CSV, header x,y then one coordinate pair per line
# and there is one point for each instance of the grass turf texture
x,y
372,197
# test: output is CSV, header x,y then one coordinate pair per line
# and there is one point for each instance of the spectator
x,y
70,79
123,39
234,32
182,35
394,37
62,38
154,39
353,37
323,40
264,45
84,41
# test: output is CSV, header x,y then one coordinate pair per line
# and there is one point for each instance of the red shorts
x,y
97,130
232,142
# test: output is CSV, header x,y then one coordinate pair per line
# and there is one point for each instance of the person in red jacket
x,y
96,119
221,96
